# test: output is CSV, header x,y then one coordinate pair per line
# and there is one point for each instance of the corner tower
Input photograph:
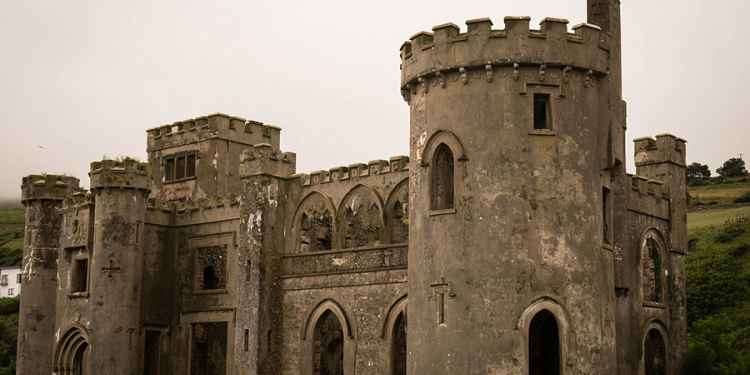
x,y
509,252
42,197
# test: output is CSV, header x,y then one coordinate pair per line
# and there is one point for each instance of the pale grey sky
x,y
84,79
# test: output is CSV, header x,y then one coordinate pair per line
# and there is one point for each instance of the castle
x,y
511,235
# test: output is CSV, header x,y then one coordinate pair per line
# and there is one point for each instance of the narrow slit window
x,y
605,215
442,178
541,112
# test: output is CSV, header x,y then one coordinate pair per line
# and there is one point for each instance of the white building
x,y
10,281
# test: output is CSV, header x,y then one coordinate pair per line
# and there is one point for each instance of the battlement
x,y
78,199
666,148
354,171
124,174
47,186
216,125
644,186
446,49
264,159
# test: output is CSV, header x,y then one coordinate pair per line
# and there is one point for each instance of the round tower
x,y
42,197
119,190
510,267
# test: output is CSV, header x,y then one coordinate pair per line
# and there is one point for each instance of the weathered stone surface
x,y
512,235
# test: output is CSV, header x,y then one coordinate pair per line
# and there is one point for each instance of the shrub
x,y
745,198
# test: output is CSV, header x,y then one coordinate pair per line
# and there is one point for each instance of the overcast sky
x,y
83,79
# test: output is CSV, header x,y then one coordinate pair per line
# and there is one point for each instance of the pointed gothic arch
x,y
72,353
655,349
393,333
397,213
313,226
329,315
360,218
545,316
654,267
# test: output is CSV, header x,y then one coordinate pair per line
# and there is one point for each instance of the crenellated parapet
x,y
354,171
217,125
263,159
47,187
645,186
78,199
447,50
666,148
122,174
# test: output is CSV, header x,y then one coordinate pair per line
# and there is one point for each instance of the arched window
x,y
442,178
544,345
316,231
80,360
654,353
398,345
652,270
328,355
397,213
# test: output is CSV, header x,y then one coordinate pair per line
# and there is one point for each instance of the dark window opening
x,y
79,279
442,178
209,349
180,170
151,353
544,345
210,279
652,270
398,350
169,169
80,361
317,231
328,355
180,167
190,167
654,354
541,111
605,215
399,225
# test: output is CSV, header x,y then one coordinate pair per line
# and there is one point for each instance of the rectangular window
x,y
18,278
190,166
208,349
169,169
541,111
180,170
10,291
79,278
605,215
180,167
4,280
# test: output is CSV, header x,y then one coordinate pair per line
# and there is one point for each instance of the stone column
x,y
42,197
119,191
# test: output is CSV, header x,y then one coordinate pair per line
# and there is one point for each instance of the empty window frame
x,y
179,167
542,115
442,178
79,276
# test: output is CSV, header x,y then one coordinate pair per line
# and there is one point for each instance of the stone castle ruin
x,y
510,241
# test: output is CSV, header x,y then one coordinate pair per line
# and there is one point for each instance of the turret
x,y
264,171
119,190
510,141
42,197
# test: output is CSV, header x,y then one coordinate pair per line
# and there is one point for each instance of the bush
x,y
745,198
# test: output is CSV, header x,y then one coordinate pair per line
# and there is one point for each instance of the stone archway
x,y
73,353
654,353
544,344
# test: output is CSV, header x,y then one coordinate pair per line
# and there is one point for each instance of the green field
x,y
715,217
11,236
718,193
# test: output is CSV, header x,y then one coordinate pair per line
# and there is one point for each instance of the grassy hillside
x,y
718,194
715,217
718,290
11,236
